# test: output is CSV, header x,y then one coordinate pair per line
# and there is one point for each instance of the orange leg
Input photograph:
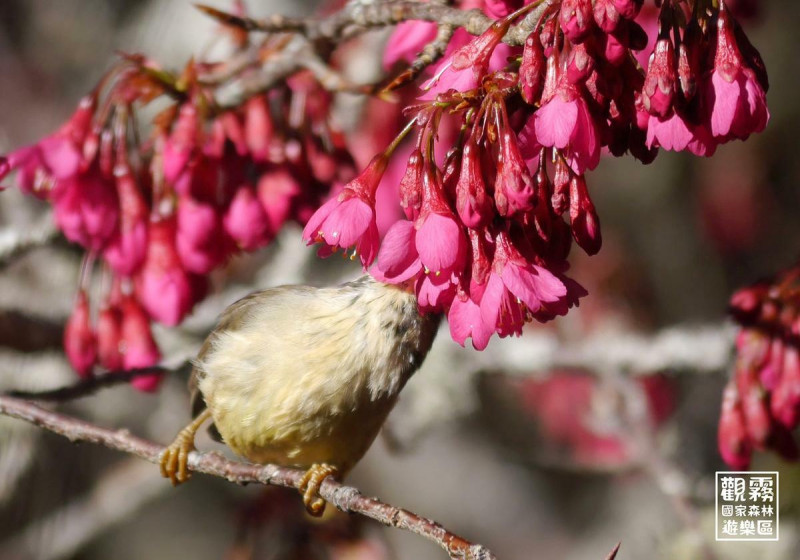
x,y
309,487
176,456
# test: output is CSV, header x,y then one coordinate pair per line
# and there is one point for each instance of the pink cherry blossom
x,y
565,122
465,322
676,133
737,101
348,219
398,259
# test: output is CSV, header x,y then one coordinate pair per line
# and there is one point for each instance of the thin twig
x,y
345,498
90,385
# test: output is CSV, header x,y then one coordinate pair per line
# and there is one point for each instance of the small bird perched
x,y
305,377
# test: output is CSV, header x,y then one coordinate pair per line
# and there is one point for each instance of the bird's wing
x,y
231,319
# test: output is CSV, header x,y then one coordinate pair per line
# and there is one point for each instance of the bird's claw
x,y
309,487
174,460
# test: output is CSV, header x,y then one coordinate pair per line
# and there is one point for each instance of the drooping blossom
x,y
565,122
513,283
86,209
440,241
736,98
163,286
348,219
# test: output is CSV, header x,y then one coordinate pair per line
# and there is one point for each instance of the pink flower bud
x,y
126,251
473,205
181,143
258,127
734,444
411,186
139,350
689,53
660,81
80,344
109,338
86,209
559,200
277,191
199,239
606,15
513,187
246,221
532,69
584,222
628,9
576,19
580,65
163,287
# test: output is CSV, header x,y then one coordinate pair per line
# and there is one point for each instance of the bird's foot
x,y
174,460
309,487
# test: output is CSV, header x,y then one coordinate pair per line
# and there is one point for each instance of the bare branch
x,y
358,17
699,349
345,498
90,385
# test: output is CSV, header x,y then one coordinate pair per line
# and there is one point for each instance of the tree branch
x,y
359,17
345,498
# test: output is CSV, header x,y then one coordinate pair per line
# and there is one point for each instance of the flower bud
x,y
660,81
532,69
584,222
576,19
80,344
246,221
473,205
162,285
411,186
138,347
109,338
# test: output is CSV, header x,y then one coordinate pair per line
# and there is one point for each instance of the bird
x,y
304,377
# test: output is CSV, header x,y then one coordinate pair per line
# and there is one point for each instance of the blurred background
x,y
598,428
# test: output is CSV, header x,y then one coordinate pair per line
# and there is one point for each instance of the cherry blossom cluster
x,y
761,402
161,214
494,191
